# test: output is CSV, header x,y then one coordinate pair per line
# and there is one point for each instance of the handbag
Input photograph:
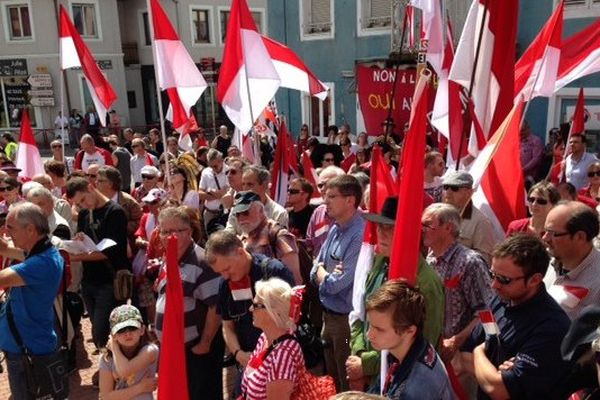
x,y
45,376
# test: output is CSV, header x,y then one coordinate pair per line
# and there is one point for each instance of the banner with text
x,y
374,86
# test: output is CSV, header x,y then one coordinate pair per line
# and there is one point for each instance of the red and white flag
x,y
410,25
74,53
577,128
493,86
498,175
383,187
433,26
310,173
567,295
248,79
281,167
580,55
488,321
28,155
294,74
176,73
242,289
537,69
407,235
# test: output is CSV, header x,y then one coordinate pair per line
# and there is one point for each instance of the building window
x,y
146,27
581,8
85,19
257,16
19,21
318,114
316,19
376,14
201,26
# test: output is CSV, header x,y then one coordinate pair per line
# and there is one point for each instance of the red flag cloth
x,y
248,79
537,69
149,160
580,55
407,233
498,175
172,375
28,155
75,53
493,79
310,173
281,167
578,122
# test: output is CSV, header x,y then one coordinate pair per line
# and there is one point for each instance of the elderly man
x,y
60,205
43,198
262,235
256,179
33,285
476,230
241,270
213,186
333,271
463,271
516,353
150,175
203,339
139,160
99,218
90,154
574,279
364,363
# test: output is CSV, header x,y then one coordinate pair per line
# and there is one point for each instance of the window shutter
x,y
575,2
320,11
381,8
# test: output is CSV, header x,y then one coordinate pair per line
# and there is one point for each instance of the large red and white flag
x,y
248,79
498,175
407,235
294,74
493,79
281,167
382,188
537,69
433,27
176,73
580,55
28,154
74,53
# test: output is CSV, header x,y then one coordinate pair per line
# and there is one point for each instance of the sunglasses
x,y
6,188
148,177
258,306
503,280
58,146
538,200
453,188
127,329
231,172
329,159
293,191
591,174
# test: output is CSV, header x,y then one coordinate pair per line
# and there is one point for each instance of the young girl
x,y
128,371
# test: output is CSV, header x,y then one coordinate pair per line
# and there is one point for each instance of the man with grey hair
x,y
262,235
43,198
464,272
139,160
33,286
213,186
62,207
203,339
90,154
256,179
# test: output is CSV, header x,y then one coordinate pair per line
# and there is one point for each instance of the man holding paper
x,y
99,219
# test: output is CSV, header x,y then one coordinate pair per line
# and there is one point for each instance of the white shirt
x,y
89,159
208,183
576,171
139,162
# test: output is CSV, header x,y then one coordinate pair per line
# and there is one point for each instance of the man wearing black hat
x,y
364,363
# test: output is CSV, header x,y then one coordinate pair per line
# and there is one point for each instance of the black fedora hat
x,y
388,212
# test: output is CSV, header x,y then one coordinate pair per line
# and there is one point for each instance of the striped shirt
x,y
284,362
200,291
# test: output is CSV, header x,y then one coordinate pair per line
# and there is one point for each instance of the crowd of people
x,y
274,289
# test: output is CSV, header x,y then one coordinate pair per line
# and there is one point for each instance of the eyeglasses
x,y
592,173
231,172
428,226
453,188
538,200
148,177
172,231
127,329
504,280
258,306
91,176
293,191
553,234
6,188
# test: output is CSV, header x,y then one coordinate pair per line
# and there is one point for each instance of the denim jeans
x,y
16,375
99,301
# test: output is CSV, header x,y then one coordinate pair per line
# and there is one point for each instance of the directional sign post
x,y
41,93
40,80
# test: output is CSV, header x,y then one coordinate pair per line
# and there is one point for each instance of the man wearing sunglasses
x,y
574,279
516,354
476,231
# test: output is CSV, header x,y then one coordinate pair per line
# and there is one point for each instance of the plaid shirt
x,y
466,280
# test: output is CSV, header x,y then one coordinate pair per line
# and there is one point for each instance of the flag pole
x,y
62,114
252,130
472,83
158,94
